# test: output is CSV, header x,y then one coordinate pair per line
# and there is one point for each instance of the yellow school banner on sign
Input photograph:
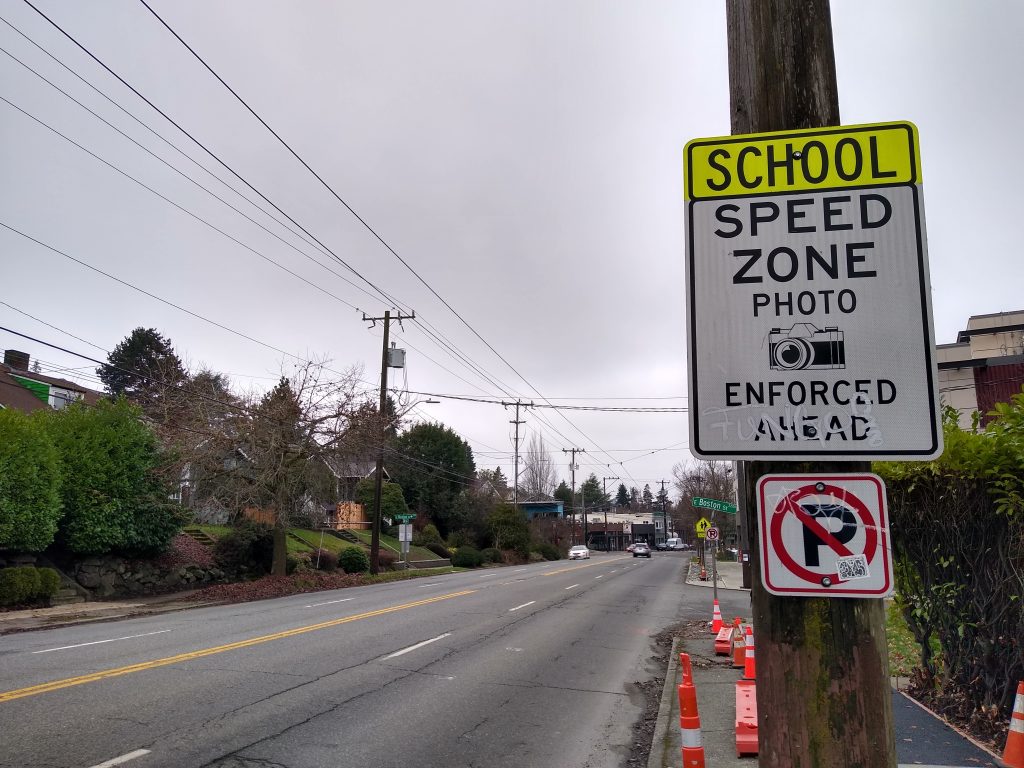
x,y
807,160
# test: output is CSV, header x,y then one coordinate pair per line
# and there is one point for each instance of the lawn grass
x,y
330,543
216,531
904,650
415,553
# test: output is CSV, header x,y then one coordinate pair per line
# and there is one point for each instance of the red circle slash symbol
x,y
846,511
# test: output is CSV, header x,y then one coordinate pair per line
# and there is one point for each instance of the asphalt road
x,y
530,666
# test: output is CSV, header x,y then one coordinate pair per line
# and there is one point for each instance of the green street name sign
x,y
405,518
718,506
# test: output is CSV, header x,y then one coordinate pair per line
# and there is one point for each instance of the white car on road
x,y
579,552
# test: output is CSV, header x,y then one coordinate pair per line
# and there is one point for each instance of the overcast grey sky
x,y
523,157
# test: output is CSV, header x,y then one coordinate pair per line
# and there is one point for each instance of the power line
x,y
202,146
362,221
181,207
435,336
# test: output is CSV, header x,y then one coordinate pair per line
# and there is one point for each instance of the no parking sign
x,y
824,535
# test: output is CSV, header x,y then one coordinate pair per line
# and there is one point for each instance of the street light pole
x,y
604,485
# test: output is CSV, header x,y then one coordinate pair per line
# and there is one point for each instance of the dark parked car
x,y
661,546
641,550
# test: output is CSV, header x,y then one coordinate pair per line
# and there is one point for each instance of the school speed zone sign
x,y
824,535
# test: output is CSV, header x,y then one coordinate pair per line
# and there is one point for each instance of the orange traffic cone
x,y
689,720
716,619
1013,754
749,670
738,645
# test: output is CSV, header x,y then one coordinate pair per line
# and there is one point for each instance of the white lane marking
x,y
572,585
122,759
521,606
519,570
418,645
599,577
97,642
331,602
431,584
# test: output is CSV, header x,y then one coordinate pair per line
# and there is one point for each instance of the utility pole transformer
x,y
823,693
378,479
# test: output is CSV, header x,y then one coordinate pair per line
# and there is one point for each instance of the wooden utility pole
x,y
515,470
823,694
378,479
572,469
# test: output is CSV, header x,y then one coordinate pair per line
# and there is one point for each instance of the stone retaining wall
x,y
111,576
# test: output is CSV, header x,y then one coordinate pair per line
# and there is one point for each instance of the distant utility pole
x,y
664,512
823,694
604,487
515,471
379,478
572,469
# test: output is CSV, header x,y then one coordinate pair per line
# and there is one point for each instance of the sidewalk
x,y
730,575
98,610
922,739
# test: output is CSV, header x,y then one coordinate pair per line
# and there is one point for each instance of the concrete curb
x,y
35,624
658,757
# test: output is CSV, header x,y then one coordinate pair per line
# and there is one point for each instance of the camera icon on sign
x,y
806,348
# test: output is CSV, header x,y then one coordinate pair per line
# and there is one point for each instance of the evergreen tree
x,y
564,494
648,496
592,495
142,367
622,497
432,463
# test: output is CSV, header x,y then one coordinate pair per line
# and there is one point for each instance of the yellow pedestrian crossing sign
x,y
702,526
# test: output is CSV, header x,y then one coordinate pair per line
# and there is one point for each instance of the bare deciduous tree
x,y
706,479
539,476
269,451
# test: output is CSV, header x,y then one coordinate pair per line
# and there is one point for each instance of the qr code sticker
x,y
851,568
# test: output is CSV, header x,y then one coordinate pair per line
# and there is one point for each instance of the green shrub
x,y
113,495
548,551
49,583
30,482
327,560
354,560
298,562
429,535
510,529
439,549
247,546
18,585
386,559
492,555
467,557
459,538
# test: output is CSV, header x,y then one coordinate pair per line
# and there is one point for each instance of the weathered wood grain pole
x,y
823,693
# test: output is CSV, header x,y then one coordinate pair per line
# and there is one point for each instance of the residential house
x,y
23,389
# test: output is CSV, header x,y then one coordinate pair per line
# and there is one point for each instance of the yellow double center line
x,y
56,685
